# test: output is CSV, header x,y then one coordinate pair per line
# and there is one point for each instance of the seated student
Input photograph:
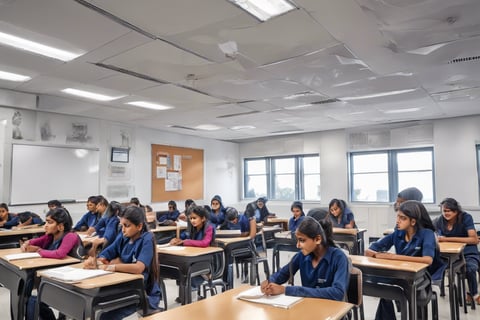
x,y
133,252
101,209
298,216
169,218
324,269
57,242
183,216
52,204
258,209
217,215
340,215
110,224
234,221
7,219
135,202
414,240
90,218
150,216
411,193
199,233
27,218
456,225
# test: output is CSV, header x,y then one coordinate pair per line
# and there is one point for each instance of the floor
x,y
370,303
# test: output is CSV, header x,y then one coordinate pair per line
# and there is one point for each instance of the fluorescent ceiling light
x,y
207,127
149,105
90,95
402,110
301,106
13,76
377,95
264,9
279,133
35,47
246,127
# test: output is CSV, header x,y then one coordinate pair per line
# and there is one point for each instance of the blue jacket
x,y
293,224
347,217
458,230
328,280
170,215
89,219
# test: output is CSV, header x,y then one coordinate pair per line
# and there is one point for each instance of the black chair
x,y
216,278
355,292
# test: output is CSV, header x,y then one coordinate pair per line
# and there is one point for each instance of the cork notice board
x,y
177,173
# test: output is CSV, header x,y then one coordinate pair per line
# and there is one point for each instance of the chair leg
x,y
434,302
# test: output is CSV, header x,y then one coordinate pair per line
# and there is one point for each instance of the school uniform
x,y
217,219
328,280
130,252
170,215
243,224
347,217
293,224
12,221
202,238
88,220
110,227
470,251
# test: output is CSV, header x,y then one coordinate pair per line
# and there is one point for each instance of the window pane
x,y
256,186
256,166
421,180
375,162
286,165
311,165
285,187
312,187
408,161
370,187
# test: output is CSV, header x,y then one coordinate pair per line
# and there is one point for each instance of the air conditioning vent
x,y
464,59
325,101
238,114
182,127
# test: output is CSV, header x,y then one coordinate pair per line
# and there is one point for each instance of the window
x,y
378,176
283,178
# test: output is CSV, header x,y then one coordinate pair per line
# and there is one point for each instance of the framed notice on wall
x,y
177,173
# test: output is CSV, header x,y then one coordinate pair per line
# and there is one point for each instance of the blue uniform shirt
x,y
243,224
347,217
328,280
458,230
293,224
89,219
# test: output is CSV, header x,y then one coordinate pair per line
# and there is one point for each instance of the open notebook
x,y
70,274
255,295
23,255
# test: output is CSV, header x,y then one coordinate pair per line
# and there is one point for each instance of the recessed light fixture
x,y
149,105
279,133
264,9
207,127
35,47
377,95
406,110
238,128
4,75
90,95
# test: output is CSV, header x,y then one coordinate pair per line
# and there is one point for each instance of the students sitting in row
x,y
90,218
414,240
9,220
340,215
234,221
456,225
101,209
258,209
110,226
324,269
134,252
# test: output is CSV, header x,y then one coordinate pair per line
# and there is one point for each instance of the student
x,y
183,216
324,269
456,225
7,219
27,218
52,204
340,215
135,202
90,218
110,224
411,193
101,209
298,215
169,218
200,233
133,252
234,221
217,215
150,216
57,242
258,209
414,240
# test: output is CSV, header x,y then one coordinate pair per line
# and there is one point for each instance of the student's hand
x,y
273,289
384,255
90,231
442,238
24,246
264,285
90,263
176,242
30,248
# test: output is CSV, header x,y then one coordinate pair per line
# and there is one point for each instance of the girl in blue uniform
x,y
110,223
217,215
340,215
324,269
199,233
456,225
135,252
414,240
169,218
297,210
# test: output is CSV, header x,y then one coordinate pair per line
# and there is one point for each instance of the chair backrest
x,y
218,265
260,238
355,287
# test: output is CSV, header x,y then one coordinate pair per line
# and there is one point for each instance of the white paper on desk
x,y
70,274
281,301
23,255
164,245
173,248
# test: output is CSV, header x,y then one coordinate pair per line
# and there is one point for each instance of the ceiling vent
x,y
325,101
182,127
238,114
464,59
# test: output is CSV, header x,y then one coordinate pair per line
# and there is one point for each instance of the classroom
x,y
234,89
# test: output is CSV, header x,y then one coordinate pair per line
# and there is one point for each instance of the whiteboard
x,y
43,173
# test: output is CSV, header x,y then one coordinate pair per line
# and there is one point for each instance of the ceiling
x,y
326,65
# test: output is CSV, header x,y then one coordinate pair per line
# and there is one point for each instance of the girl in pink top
x,y
199,233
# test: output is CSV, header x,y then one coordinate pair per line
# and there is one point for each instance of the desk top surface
x,y
100,281
227,305
187,251
227,241
167,228
274,220
34,263
348,231
451,247
23,230
375,263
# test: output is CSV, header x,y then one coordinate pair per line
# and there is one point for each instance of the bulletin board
x,y
177,173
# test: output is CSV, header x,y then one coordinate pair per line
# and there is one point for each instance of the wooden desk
x,y
17,276
404,274
353,236
233,247
83,299
17,234
227,233
178,262
227,306
274,221
453,252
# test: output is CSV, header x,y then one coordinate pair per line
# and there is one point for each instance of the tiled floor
x,y
370,303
